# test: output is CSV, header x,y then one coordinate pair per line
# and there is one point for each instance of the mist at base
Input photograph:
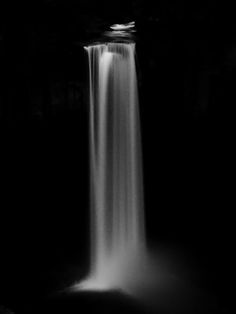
x,y
165,282
125,273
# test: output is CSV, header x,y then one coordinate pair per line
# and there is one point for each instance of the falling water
x,y
116,183
119,257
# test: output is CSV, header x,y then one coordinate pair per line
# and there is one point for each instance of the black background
x,y
186,66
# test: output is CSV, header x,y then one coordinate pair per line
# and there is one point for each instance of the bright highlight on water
x,y
118,248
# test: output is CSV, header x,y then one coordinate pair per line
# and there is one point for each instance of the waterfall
x,y
116,182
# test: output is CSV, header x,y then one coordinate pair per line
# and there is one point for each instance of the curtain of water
x,y
116,194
